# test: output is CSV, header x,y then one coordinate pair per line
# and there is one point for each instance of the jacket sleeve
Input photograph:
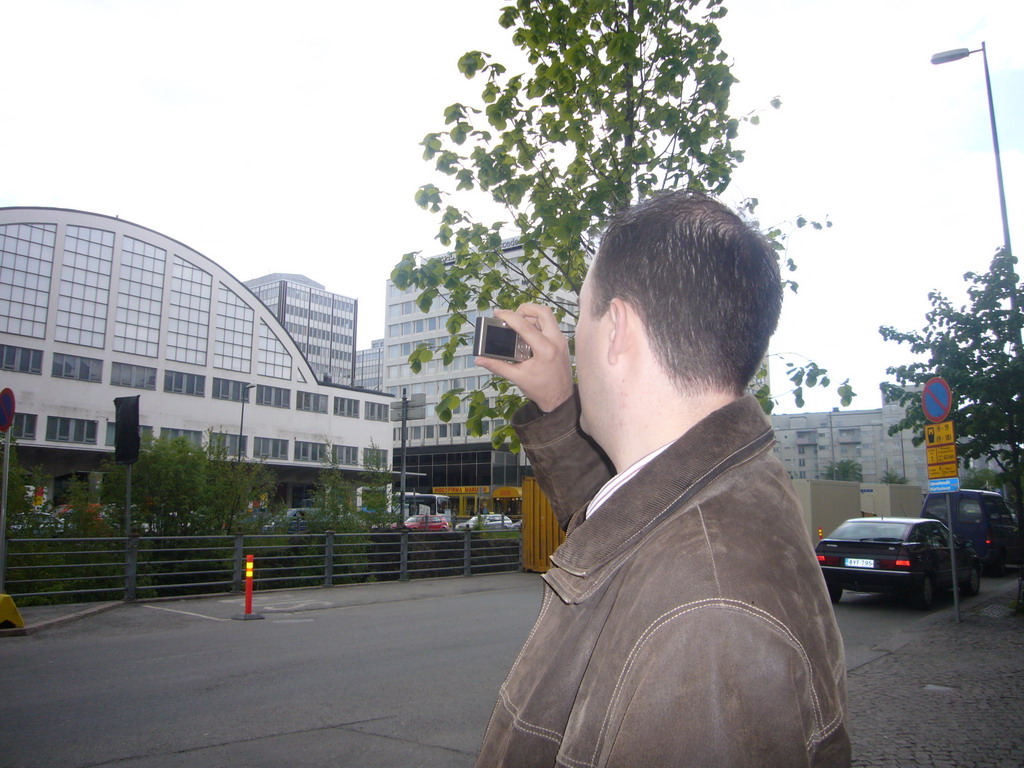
x,y
717,688
569,466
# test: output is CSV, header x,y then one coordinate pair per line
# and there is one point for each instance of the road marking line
x,y
187,613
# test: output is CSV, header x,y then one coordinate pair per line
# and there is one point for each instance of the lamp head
x,y
955,55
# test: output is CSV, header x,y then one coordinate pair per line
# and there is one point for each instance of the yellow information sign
x,y
942,454
939,434
939,471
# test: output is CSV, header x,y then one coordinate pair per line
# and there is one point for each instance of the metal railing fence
x,y
46,571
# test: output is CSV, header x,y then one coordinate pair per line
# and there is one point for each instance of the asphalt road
x,y
376,675
329,677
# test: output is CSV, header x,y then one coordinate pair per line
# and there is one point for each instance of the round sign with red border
x,y
936,399
6,409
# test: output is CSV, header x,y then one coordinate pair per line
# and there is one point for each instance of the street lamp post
x,y
956,54
241,421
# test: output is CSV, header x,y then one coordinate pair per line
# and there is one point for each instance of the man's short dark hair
x,y
705,283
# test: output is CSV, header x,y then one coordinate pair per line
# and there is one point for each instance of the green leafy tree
x,y
892,477
844,469
169,486
981,479
374,482
234,491
334,507
623,98
976,350
23,518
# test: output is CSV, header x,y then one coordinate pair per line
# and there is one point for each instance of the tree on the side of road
x,y
975,349
892,477
623,98
844,469
181,488
981,479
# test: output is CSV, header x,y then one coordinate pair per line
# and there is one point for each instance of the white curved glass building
x,y
94,307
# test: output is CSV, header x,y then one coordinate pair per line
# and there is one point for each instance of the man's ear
x,y
622,328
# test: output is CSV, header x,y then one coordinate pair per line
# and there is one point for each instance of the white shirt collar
x,y
622,478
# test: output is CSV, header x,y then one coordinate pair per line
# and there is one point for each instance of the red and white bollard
x,y
248,615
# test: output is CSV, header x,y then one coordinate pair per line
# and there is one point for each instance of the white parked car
x,y
489,523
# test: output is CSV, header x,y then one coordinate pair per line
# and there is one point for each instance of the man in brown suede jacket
x,y
685,621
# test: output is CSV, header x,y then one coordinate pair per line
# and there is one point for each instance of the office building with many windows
x,y
370,366
323,324
94,307
442,457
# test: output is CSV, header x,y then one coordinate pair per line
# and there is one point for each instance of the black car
x,y
902,555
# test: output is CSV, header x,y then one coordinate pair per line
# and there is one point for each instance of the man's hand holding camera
x,y
545,378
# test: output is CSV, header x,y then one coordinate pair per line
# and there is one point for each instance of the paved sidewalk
x,y
950,696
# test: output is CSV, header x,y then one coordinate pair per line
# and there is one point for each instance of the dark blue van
x,y
985,519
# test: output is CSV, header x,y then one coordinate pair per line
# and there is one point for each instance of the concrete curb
x,y
79,613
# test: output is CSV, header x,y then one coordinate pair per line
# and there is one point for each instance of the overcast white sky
x,y
279,137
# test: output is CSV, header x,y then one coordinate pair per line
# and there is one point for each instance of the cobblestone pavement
x,y
951,696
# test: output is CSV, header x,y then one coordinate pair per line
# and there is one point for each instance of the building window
x,y
192,435
310,401
185,383
375,457
137,376
111,440
269,448
228,389
188,316
21,359
64,430
139,298
377,411
24,426
26,264
233,350
274,359
85,286
305,451
442,430
228,442
346,454
278,397
346,406
75,367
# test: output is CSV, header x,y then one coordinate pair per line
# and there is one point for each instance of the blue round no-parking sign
x,y
936,399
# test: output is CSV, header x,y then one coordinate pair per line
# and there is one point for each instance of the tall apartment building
x,y
94,307
808,442
442,457
322,323
370,366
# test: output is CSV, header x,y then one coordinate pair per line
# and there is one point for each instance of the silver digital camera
x,y
495,339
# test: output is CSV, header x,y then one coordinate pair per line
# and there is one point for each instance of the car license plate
x,y
854,562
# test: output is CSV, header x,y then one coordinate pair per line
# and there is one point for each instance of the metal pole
x,y
952,557
999,164
3,508
401,493
128,504
1002,196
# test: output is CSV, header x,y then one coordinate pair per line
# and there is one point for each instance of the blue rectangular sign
x,y
944,485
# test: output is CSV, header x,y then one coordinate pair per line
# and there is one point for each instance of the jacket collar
x,y
723,439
